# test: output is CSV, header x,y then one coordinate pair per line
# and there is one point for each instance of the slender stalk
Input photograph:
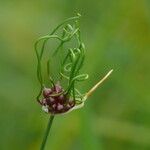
x,y
47,132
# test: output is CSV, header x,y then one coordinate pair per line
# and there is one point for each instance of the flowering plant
x,y
57,99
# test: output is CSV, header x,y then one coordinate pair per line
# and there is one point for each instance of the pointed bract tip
x,y
78,14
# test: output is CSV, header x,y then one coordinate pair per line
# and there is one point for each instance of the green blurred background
x,y
117,35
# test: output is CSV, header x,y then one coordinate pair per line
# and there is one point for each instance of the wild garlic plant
x,y
57,99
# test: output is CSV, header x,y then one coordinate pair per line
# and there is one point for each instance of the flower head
x,y
55,101
57,98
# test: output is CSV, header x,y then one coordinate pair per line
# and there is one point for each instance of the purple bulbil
x,y
55,101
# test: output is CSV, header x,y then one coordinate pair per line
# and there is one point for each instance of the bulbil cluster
x,y
55,101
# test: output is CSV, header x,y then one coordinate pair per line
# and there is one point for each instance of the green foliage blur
x,y
117,35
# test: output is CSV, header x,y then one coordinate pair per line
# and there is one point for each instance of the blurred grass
x,y
116,35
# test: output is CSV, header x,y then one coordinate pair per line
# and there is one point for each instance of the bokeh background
x,y
117,35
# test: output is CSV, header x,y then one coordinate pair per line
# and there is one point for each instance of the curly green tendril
x,y
72,62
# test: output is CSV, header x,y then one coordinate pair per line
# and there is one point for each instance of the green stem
x,y
47,132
